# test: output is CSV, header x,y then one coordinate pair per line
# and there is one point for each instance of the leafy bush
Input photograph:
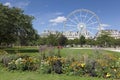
x,y
25,63
102,65
52,64
2,52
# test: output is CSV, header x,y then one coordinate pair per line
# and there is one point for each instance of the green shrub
x,y
52,64
2,52
26,63
7,59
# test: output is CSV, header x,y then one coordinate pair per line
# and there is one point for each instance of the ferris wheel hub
x,y
81,26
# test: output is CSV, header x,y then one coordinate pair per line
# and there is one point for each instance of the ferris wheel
x,y
83,22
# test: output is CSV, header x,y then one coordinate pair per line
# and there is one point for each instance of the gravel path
x,y
110,49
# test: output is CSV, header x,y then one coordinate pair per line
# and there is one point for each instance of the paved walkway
x,y
110,49
116,50
113,49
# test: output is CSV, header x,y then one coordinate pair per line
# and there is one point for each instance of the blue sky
x,y
50,14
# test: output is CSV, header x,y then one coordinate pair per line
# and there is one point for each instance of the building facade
x,y
73,35
113,33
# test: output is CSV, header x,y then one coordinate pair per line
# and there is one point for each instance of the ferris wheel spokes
x,y
84,21
92,23
72,21
85,16
76,18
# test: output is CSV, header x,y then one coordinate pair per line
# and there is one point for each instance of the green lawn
x,y
77,52
64,51
5,75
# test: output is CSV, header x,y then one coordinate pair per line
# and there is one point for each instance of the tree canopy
x,y
62,40
105,40
15,26
82,40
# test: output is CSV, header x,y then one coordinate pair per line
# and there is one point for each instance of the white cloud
x,y
22,4
104,25
8,4
59,19
19,4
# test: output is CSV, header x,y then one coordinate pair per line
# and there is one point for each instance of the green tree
x,y
52,39
104,40
15,26
76,41
117,42
70,42
82,40
62,40
91,42
42,41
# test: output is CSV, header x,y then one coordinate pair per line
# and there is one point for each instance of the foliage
x,y
104,64
117,42
76,41
7,58
25,63
82,40
105,40
91,42
62,40
15,26
51,39
52,64
3,52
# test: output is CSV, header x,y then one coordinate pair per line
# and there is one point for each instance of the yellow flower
x,y
108,75
30,59
83,65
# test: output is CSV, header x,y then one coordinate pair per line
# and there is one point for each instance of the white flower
x,y
18,61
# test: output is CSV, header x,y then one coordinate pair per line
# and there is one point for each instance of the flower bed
x,y
98,65
105,65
